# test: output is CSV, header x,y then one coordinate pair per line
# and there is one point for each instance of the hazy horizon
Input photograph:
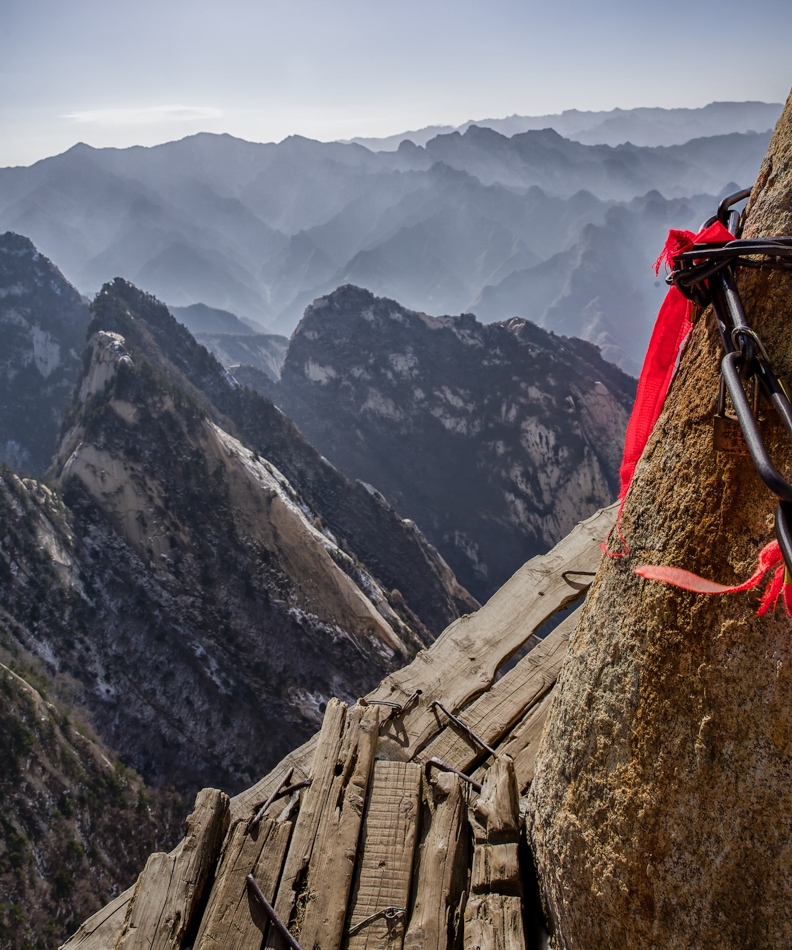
x,y
144,75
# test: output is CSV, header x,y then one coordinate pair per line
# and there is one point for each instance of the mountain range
x,y
190,564
642,126
459,223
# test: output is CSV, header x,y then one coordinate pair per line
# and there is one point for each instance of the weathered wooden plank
x,y
463,661
493,915
494,713
233,918
434,922
317,877
390,832
495,820
300,760
170,888
102,930
333,861
494,922
314,801
522,743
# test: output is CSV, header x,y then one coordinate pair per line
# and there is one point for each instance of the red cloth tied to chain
x,y
671,328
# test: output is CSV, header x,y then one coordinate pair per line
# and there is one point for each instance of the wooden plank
x,y
390,832
495,819
332,864
330,817
494,922
170,888
492,715
300,760
102,930
463,661
493,915
314,801
441,877
233,918
522,743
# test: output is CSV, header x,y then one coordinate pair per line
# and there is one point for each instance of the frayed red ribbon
x,y
676,243
769,557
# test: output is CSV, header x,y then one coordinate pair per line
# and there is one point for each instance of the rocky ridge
x,y
43,321
494,438
191,583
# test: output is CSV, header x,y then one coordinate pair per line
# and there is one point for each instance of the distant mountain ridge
x,y
641,126
262,230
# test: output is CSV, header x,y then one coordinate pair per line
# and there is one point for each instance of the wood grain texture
x,y
435,920
495,712
493,915
314,802
233,918
390,833
495,820
171,886
332,864
300,760
102,930
494,922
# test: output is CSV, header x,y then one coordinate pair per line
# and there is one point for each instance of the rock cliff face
x,y
495,439
662,802
42,332
394,550
188,584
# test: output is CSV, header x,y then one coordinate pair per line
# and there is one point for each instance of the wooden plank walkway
x,y
462,663
493,915
522,743
495,712
233,918
373,830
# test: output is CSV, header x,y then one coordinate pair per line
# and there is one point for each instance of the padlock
x,y
727,435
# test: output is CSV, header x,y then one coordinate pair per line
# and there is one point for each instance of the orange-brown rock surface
x,y
662,802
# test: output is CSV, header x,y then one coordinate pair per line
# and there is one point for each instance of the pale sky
x,y
113,73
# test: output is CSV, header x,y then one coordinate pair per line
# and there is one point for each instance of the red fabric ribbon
x,y
769,557
671,328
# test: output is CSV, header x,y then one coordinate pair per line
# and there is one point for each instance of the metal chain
x,y
705,275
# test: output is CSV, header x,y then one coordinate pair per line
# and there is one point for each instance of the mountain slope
x,y
493,438
185,582
42,332
77,825
398,556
